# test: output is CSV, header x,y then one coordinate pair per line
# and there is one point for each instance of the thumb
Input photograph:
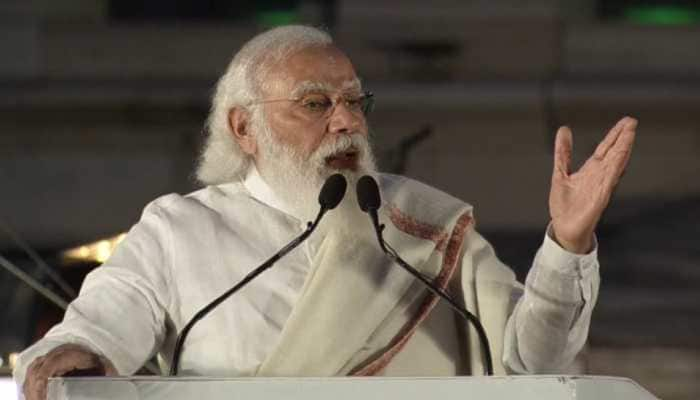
x,y
563,146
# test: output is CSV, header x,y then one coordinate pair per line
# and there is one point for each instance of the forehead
x,y
317,67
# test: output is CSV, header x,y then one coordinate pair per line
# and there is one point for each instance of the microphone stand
x,y
257,271
379,228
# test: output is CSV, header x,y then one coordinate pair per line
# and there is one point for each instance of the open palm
x,y
577,199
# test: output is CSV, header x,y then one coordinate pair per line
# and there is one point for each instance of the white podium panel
x,y
472,388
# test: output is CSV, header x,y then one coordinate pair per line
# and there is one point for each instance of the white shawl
x,y
351,317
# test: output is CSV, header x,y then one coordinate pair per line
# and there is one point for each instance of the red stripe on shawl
x,y
413,227
449,265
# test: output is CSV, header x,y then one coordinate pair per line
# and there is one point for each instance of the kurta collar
x,y
261,191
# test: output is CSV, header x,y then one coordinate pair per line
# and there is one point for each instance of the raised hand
x,y
577,199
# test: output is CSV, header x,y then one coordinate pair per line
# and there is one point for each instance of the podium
x,y
536,387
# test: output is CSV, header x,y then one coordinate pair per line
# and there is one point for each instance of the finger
x,y
33,367
38,373
563,146
41,377
620,155
58,363
612,137
31,392
37,385
616,162
28,388
627,137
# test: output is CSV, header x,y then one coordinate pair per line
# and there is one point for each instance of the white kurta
x,y
186,250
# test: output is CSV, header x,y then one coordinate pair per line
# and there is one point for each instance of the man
x,y
288,113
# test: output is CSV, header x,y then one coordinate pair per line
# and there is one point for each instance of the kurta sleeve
x,y
122,306
549,324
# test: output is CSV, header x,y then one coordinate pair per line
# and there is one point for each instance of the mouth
x,y
344,160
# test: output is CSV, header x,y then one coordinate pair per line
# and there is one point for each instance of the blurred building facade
x,y
103,103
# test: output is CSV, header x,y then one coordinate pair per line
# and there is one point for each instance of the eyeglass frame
x,y
366,109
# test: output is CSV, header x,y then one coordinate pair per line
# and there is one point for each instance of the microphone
x,y
332,192
330,196
369,200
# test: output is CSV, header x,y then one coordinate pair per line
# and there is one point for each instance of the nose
x,y
343,121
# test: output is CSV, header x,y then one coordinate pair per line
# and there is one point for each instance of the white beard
x,y
297,180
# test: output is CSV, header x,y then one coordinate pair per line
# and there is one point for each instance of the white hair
x,y
222,160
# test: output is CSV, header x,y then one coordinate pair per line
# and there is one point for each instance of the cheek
x,y
283,128
315,139
302,137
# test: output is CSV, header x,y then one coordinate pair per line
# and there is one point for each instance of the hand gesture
x,y
577,199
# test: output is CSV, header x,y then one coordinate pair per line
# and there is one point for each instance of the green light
x,y
271,19
663,15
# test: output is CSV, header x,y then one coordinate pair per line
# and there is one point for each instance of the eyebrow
x,y
310,86
352,84
306,87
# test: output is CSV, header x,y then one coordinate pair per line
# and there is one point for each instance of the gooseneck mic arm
x,y
331,194
369,201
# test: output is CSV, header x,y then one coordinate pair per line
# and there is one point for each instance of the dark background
x,y
102,105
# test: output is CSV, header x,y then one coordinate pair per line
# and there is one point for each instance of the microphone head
x,y
332,191
368,194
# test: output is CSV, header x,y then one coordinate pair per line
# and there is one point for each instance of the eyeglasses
x,y
318,105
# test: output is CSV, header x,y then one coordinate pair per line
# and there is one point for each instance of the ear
x,y
239,124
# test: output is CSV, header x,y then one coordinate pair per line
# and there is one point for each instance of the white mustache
x,y
342,144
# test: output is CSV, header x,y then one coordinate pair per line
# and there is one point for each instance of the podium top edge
x,y
146,378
